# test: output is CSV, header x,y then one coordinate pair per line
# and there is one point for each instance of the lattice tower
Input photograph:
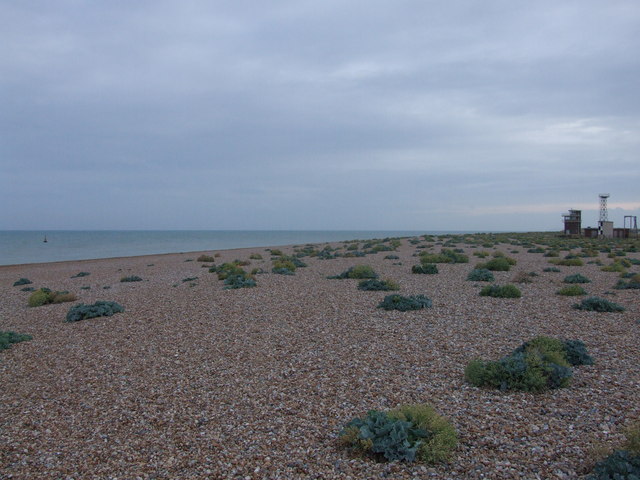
x,y
604,215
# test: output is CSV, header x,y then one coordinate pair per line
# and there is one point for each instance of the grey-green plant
x,y
7,338
426,269
132,278
598,304
358,271
81,274
576,278
480,275
22,281
98,309
408,433
501,291
403,304
381,285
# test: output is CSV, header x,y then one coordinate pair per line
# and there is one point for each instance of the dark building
x,y
573,222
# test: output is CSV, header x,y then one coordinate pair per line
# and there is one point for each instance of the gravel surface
x,y
194,381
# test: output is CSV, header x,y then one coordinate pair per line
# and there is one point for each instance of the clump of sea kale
x,y
480,275
373,284
597,304
98,309
427,269
22,281
540,364
408,433
81,274
403,304
132,278
501,291
359,271
7,338
623,463
45,296
576,278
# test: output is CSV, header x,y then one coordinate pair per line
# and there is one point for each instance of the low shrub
x,y
206,258
623,463
398,302
428,269
7,338
523,277
44,296
540,364
576,278
501,291
22,281
227,269
81,274
98,309
255,256
275,252
284,266
27,289
597,304
551,269
239,281
359,271
614,267
480,275
409,433
189,279
391,257
567,262
632,284
445,256
382,285
132,278
498,264
572,291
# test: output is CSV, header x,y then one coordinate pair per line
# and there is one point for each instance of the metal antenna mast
x,y
604,215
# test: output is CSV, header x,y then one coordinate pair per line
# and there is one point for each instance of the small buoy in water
x,y
45,239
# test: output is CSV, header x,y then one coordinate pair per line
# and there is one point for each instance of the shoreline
x,y
195,381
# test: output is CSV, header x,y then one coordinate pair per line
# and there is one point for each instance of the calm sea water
x,y
17,247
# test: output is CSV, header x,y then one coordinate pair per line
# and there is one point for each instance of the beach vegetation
x,y
572,291
576,278
403,304
567,262
551,269
27,289
446,255
22,281
45,296
206,258
239,281
276,252
480,275
501,291
497,264
427,269
358,271
614,267
392,257
81,274
622,463
189,279
598,304
633,283
538,365
524,277
255,256
98,309
409,433
381,285
132,278
7,338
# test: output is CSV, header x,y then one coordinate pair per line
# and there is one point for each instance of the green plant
x,y
373,284
359,271
7,338
551,269
206,258
534,366
576,278
81,274
22,281
44,296
567,262
572,291
133,278
597,304
284,266
189,279
239,281
255,256
619,465
445,256
480,275
632,284
411,432
428,269
614,267
98,309
398,302
498,264
504,291
391,257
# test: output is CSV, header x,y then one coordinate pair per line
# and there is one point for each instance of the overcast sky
x,y
405,114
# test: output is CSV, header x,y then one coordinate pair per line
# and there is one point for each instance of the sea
x,y
29,246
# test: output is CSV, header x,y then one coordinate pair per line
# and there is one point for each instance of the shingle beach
x,y
193,381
